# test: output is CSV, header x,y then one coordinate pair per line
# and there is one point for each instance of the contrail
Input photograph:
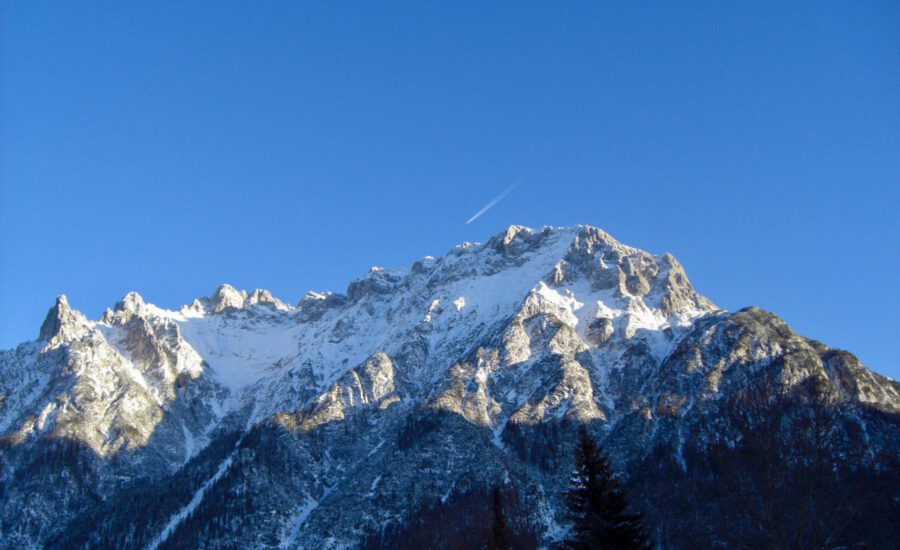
x,y
493,203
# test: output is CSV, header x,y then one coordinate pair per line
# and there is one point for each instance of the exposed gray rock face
x,y
62,324
227,297
379,282
349,412
370,384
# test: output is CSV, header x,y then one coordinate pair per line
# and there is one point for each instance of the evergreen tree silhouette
x,y
598,506
501,536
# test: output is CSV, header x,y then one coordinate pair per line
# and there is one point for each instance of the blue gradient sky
x,y
169,147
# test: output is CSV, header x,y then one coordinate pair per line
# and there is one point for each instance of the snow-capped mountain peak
x,y
515,337
604,291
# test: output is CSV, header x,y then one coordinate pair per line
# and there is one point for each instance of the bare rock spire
x,y
62,323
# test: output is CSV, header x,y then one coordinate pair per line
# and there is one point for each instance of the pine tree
x,y
598,506
501,536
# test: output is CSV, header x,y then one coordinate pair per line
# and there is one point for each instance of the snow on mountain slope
x,y
242,341
512,338
108,383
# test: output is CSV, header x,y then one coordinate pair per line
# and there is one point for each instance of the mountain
x,y
358,419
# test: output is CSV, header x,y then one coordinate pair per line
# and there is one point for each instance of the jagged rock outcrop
x,y
227,297
369,384
62,324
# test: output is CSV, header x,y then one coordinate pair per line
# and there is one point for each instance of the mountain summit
x,y
242,421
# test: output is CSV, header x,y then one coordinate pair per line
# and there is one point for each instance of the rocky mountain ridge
x,y
469,366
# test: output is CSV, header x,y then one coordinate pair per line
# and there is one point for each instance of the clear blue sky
x,y
167,147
